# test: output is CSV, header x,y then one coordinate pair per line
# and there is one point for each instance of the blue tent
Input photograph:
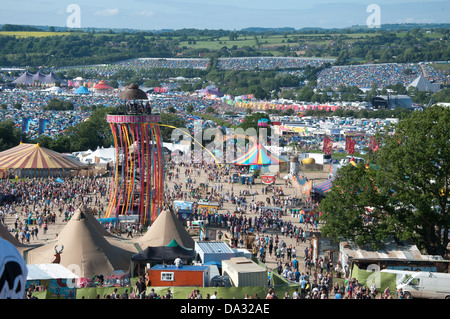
x,y
82,90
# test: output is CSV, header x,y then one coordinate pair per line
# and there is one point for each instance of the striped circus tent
x,y
31,160
258,155
323,187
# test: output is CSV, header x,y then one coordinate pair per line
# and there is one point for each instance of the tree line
x,y
84,48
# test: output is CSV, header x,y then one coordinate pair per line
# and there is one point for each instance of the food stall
x,y
184,209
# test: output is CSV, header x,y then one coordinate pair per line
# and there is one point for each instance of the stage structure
x,y
138,179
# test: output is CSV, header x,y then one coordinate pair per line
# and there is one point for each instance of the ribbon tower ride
x,y
137,185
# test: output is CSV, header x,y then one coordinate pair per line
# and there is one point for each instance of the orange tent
x,y
102,86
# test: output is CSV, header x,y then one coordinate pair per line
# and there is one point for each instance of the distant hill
x,y
261,30
281,30
14,27
405,26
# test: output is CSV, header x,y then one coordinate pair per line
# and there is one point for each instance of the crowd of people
x,y
36,203
364,76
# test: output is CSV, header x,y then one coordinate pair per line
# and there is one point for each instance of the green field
x,y
269,41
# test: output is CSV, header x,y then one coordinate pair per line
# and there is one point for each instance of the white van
x,y
427,285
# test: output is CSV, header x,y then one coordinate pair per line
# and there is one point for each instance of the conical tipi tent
x,y
85,251
6,235
88,213
164,230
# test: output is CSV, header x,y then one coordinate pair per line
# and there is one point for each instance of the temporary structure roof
x,y
32,156
100,155
85,247
54,89
323,187
258,155
5,234
81,90
132,92
163,254
164,229
213,252
102,86
30,78
49,271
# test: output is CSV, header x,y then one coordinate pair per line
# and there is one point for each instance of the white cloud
x,y
145,13
107,12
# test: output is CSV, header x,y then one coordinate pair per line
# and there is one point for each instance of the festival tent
x,y
323,187
24,78
100,86
89,214
99,156
84,247
54,90
52,78
35,161
164,230
258,155
211,90
82,90
5,234
29,78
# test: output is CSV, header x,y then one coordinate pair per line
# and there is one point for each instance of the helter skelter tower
x,y
137,184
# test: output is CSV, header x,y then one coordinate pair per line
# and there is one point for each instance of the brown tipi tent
x,y
164,230
86,251
5,234
89,214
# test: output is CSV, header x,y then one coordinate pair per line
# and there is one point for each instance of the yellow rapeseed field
x,y
26,34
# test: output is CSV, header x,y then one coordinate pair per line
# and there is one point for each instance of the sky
x,y
221,14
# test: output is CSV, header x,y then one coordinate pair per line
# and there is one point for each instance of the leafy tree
x,y
407,184
9,134
172,120
189,109
251,121
91,133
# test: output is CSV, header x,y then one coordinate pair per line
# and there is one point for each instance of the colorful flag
x,y
25,125
42,124
349,145
327,146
